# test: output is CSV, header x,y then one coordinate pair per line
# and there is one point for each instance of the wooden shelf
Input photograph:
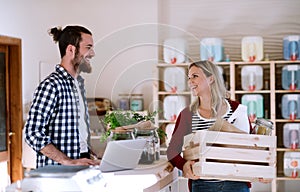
x,y
174,93
288,91
272,92
287,121
284,178
252,92
173,65
288,150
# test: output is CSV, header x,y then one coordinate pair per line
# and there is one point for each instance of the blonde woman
x,y
212,102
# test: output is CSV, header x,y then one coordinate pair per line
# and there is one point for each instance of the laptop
x,y
122,155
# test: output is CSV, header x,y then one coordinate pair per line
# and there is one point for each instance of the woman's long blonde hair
x,y
218,89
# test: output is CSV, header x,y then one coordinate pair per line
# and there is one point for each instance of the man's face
x,y
86,52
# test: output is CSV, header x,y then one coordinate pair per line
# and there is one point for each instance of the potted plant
x,y
119,121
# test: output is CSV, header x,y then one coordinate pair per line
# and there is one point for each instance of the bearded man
x,y
57,127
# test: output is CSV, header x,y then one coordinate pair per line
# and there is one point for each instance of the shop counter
x,y
144,178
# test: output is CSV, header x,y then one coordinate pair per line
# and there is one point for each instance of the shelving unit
x,y
272,92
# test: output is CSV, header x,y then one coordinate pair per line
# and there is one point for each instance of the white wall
x,y
120,45
231,20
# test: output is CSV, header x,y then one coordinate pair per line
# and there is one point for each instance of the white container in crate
x,y
252,48
291,163
249,160
175,79
290,106
173,104
291,135
211,49
175,50
252,77
169,131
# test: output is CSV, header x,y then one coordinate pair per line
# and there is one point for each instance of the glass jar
x,y
124,101
136,102
121,135
151,150
263,127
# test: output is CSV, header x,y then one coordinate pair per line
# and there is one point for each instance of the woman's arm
x,y
183,127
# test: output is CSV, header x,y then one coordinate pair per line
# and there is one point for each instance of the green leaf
x,y
117,118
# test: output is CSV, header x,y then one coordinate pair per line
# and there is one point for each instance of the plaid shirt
x,y
54,116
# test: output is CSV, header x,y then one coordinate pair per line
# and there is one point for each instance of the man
x,y
57,127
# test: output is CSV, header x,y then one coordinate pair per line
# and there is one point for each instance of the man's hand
x,y
82,161
53,153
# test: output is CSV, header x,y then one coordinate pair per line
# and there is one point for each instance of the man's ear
x,y
71,49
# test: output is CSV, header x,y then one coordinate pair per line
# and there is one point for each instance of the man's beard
x,y
84,66
81,65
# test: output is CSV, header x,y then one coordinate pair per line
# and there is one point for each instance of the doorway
x,y
11,113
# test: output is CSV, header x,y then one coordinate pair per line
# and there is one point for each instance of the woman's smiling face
x,y
198,82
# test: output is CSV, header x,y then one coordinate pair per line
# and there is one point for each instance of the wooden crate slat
x,y
225,153
230,139
232,171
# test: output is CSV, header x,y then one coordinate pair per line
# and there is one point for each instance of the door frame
x,y
14,107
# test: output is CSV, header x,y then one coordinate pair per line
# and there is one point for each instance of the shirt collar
x,y
61,71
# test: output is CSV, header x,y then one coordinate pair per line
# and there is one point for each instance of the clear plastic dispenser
x,y
173,105
212,49
291,47
290,106
252,78
252,48
254,103
290,77
175,50
175,79
291,135
291,164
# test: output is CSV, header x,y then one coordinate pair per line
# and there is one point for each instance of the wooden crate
x,y
231,156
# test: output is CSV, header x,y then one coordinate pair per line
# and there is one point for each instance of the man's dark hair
x,y
69,35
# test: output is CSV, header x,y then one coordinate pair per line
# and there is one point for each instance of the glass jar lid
x,y
264,122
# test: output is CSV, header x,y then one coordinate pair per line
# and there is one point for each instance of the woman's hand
x,y
266,181
188,171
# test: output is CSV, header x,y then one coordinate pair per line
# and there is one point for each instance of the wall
x,y
111,22
231,20
126,34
